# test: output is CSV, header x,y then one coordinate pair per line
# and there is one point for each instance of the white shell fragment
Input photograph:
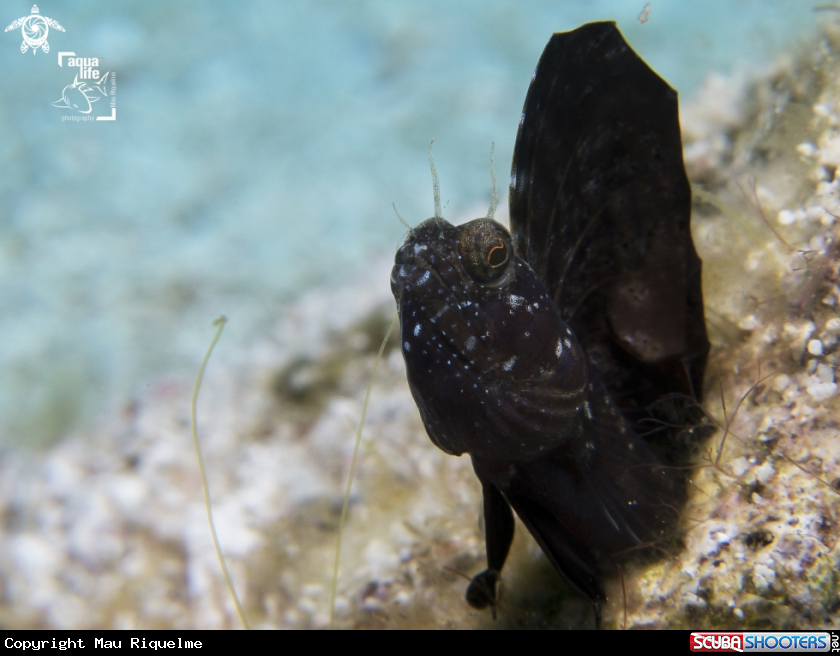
x,y
786,218
822,391
806,149
815,347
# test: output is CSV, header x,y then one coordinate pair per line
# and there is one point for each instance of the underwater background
x,y
257,150
251,170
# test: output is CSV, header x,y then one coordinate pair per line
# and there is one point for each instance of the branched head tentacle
x,y
494,195
435,182
402,220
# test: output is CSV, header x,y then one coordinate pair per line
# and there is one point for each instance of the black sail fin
x,y
600,207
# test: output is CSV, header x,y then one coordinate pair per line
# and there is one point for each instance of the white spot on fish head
x,y
568,343
406,347
558,351
470,345
423,278
417,330
507,366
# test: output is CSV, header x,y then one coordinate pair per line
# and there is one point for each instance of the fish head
x,y
477,326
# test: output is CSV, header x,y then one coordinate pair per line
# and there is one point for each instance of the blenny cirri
x,y
567,356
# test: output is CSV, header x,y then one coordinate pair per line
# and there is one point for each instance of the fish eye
x,y
498,255
485,249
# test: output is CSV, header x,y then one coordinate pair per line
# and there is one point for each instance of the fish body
x,y
566,357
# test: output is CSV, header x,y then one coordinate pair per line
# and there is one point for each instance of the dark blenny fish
x,y
568,358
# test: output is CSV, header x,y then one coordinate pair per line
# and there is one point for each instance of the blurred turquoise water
x,y
256,153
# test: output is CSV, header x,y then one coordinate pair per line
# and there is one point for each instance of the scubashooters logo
x,y
89,86
748,641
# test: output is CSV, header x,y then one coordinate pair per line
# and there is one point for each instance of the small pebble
x,y
822,391
815,347
799,332
806,149
763,577
740,466
821,109
825,373
764,473
781,383
786,217
817,243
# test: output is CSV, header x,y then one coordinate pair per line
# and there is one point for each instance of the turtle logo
x,y
35,29
80,96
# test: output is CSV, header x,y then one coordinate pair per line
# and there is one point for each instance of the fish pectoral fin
x,y
498,526
62,104
481,592
572,559
498,534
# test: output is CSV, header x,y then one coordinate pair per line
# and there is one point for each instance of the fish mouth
x,y
429,248
416,276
